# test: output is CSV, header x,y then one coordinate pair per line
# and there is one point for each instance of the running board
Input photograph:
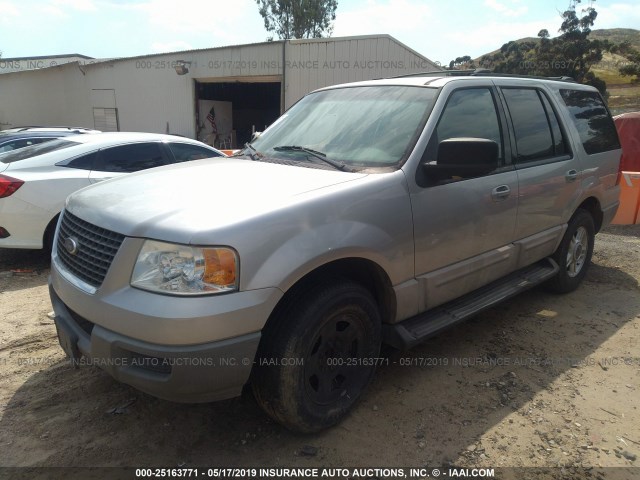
x,y
416,329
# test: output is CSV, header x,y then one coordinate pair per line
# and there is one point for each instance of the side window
x,y
13,145
35,141
534,140
183,152
23,142
83,162
130,158
592,119
559,142
469,115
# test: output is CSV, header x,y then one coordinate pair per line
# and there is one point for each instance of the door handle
x,y
501,192
571,176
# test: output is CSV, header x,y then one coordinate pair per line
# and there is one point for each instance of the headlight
x,y
185,270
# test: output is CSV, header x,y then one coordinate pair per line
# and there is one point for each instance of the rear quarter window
x,y
592,120
184,152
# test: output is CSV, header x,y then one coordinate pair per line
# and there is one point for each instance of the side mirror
x,y
460,158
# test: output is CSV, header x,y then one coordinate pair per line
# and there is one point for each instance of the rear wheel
x,y
318,355
574,253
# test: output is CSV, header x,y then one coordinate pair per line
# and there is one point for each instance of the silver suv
x,y
373,212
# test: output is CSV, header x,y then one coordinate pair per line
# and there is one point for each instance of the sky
x,y
441,30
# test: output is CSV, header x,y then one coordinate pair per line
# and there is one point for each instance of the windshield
x,y
33,150
373,126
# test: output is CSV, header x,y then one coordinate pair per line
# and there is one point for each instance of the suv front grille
x,y
96,248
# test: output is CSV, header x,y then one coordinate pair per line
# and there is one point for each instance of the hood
x,y
175,202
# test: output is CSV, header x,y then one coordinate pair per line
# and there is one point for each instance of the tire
x,y
574,253
49,233
319,328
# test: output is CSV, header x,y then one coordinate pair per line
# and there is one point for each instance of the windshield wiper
x,y
255,156
310,151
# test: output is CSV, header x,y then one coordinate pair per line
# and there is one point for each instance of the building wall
x,y
147,99
317,63
149,94
53,96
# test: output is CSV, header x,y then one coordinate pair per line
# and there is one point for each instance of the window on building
x,y
106,119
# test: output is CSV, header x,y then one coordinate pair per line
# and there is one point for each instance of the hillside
x,y
623,95
618,35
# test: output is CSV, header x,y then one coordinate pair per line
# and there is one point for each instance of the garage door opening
x,y
227,113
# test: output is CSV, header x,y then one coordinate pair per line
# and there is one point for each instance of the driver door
x,y
464,227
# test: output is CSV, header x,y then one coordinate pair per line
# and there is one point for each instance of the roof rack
x,y
482,72
22,128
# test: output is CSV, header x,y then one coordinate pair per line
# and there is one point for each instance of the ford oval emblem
x,y
71,245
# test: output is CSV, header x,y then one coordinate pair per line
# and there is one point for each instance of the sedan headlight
x,y
185,270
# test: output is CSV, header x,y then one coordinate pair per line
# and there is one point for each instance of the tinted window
x,y
21,143
469,113
559,142
591,117
532,130
84,162
130,158
183,152
33,150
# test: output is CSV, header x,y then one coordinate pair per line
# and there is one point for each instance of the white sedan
x,y
36,180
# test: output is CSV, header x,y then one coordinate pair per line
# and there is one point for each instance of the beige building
x,y
220,94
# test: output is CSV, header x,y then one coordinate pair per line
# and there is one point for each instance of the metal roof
x,y
45,57
97,61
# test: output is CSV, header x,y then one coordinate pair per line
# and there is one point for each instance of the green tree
x,y
298,18
462,63
571,54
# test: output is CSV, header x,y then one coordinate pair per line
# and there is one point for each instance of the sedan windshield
x,y
33,150
372,126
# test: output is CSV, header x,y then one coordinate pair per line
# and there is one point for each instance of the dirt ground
x,y
540,381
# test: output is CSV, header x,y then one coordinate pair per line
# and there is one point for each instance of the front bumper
x,y
195,373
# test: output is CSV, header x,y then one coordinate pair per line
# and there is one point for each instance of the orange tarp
x,y
629,210
628,126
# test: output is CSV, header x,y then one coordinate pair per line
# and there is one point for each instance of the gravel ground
x,y
540,381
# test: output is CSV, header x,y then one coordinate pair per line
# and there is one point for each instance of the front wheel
x,y
574,253
318,355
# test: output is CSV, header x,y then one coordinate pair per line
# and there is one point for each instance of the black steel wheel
x,y
318,355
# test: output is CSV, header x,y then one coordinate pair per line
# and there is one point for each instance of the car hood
x,y
175,202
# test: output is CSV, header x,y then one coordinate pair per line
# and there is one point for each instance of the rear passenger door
x,y
548,171
121,159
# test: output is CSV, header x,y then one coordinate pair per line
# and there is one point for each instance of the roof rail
x,y
483,72
28,127
443,73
